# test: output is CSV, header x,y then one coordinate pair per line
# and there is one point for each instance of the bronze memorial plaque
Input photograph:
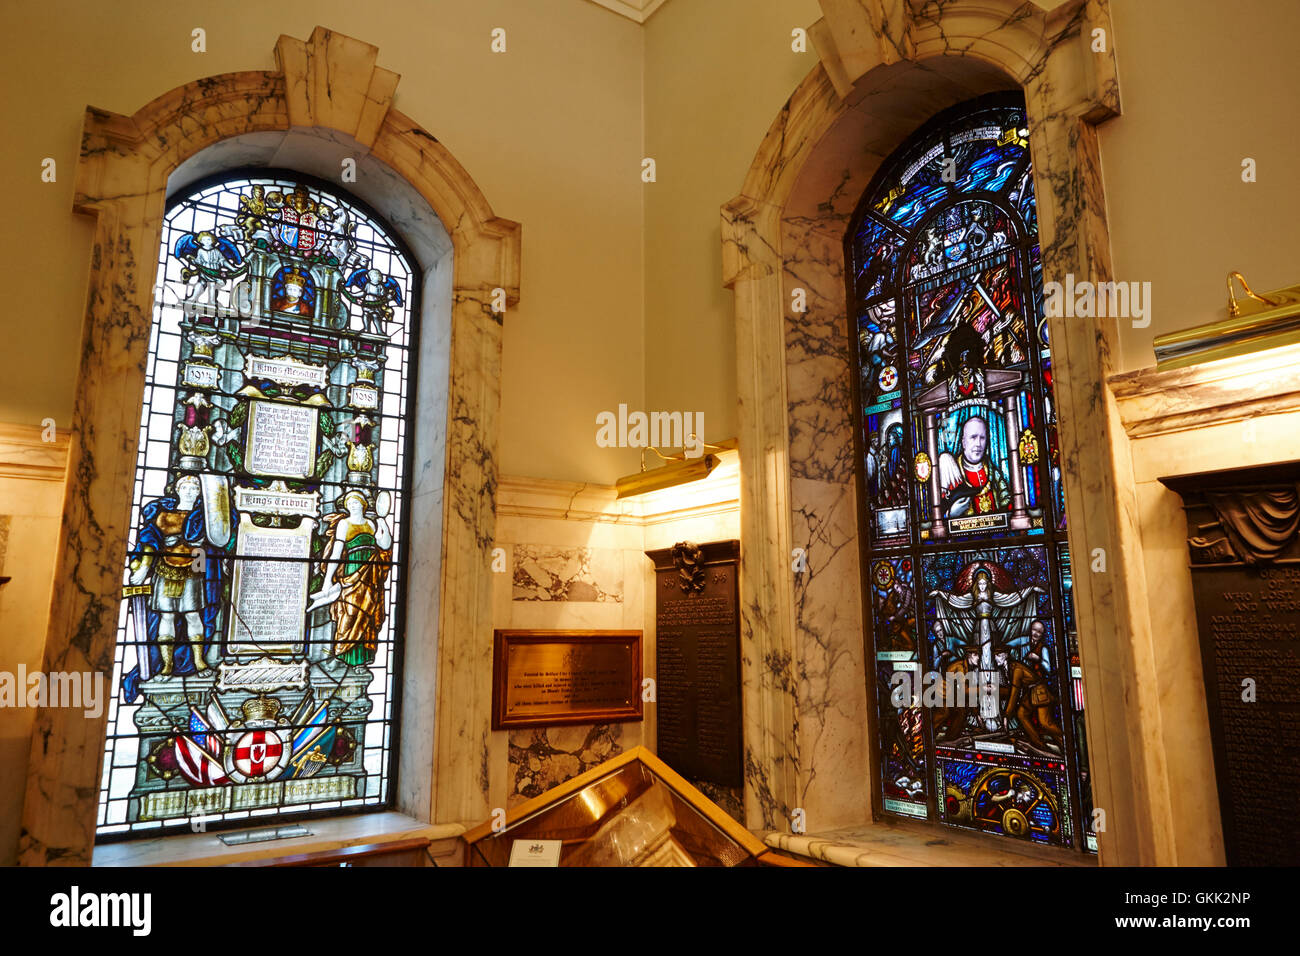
x,y
544,678
1245,559
697,656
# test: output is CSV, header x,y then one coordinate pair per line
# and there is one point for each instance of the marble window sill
x,y
205,849
903,844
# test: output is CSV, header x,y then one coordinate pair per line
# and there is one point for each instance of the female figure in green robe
x,y
359,549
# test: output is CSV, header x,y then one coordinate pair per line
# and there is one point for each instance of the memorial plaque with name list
x,y
697,655
1245,559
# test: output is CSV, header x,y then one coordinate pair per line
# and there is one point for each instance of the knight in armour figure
x,y
178,562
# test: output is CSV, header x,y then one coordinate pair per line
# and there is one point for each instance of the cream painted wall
x,y
716,74
32,510
550,130
1204,84
553,131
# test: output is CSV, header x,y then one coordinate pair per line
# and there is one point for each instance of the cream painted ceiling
x,y
638,10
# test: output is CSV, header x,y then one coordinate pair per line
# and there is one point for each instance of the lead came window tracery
x,y
963,532
260,628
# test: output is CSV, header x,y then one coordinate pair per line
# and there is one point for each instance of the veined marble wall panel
x,y
544,757
831,690
830,687
1238,413
544,573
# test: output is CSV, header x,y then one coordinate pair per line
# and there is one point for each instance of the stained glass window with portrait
x,y
260,631
975,663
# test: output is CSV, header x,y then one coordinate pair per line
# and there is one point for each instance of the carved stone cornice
x,y
25,454
1152,402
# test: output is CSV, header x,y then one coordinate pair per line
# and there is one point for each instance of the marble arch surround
x,y
330,85
886,65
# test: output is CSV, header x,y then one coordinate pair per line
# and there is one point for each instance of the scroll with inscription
x,y
697,654
1245,560
281,439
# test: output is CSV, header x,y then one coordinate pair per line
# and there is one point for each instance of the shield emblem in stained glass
x,y
298,220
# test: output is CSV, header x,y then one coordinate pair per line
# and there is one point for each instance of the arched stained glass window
x,y
261,623
976,670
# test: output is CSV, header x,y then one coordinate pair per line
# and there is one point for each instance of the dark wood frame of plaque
x,y
631,710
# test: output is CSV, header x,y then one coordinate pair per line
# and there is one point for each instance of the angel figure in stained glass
x,y
359,549
982,610
375,293
210,260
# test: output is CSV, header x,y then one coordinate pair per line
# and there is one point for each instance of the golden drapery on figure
x,y
358,612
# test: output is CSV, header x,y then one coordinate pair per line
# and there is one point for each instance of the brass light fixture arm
x,y
1233,309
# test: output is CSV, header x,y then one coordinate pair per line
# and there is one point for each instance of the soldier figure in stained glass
x,y
183,569
1031,701
951,720
359,547
897,617
1038,653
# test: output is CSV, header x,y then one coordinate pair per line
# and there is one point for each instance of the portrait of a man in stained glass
x,y
294,292
970,483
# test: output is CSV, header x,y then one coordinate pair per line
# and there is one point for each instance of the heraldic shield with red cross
x,y
258,753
